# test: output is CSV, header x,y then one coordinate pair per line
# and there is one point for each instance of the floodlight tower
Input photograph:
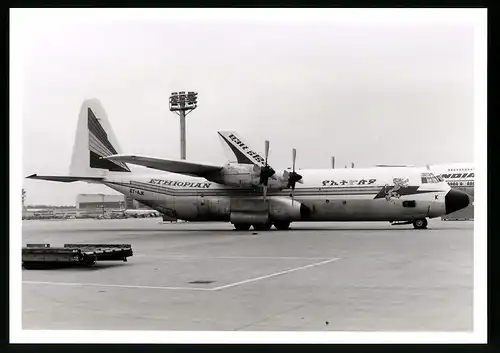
x,y
182,104
24,198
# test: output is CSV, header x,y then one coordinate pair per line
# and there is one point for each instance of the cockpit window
x,y
429,178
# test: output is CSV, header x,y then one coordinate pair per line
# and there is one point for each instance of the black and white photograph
x,y
248,175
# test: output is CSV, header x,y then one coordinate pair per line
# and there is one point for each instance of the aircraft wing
x,y
167,165
64,178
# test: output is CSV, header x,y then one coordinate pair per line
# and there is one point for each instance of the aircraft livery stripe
x,y
171,192
232,192
95,127
370,190
100,150
99,146
96,146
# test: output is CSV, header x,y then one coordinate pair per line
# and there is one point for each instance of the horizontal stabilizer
x,y
167,165
64,178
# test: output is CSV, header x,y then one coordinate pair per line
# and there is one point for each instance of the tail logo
x,y
400,188
99,146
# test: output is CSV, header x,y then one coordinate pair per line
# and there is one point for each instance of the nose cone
x,y
455,200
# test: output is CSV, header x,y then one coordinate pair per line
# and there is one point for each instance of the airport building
x,y
49,212
130,203
95,203
87,205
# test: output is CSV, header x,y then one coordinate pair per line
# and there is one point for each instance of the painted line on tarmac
x,y
275,274
72,284
181,257
113,285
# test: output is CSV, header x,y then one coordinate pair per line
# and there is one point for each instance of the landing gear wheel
x,y
420,223
265,226
282,225
241,226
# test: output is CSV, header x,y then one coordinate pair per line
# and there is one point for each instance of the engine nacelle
x,y
249,218
279,180
234,174
255,211
247,175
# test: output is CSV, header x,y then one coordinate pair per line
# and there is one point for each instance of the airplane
x,y
459,176
135,213
249,192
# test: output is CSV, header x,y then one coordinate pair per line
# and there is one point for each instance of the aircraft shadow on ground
x,y
225,230
395,228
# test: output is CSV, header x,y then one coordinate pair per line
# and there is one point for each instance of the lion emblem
x,y
393,191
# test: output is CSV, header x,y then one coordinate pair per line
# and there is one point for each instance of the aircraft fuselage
x,y
374,194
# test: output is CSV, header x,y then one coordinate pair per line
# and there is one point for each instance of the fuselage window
x,y
429,178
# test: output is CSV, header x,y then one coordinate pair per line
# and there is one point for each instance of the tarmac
x,y
206,276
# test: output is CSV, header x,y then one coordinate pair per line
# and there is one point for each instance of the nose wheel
x,y
420,223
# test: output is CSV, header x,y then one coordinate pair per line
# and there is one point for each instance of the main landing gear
x,y
265,226
420,223
241,226
417,223
282,225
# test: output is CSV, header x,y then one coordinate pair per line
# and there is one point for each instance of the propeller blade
x,y
266,171
266,150
293,176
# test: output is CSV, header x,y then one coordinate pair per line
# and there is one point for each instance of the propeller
x,y
266,171
293,177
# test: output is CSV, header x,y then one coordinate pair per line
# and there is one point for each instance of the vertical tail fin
x,y
94,139
242,151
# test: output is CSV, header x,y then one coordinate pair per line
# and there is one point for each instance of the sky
x,y
368,92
